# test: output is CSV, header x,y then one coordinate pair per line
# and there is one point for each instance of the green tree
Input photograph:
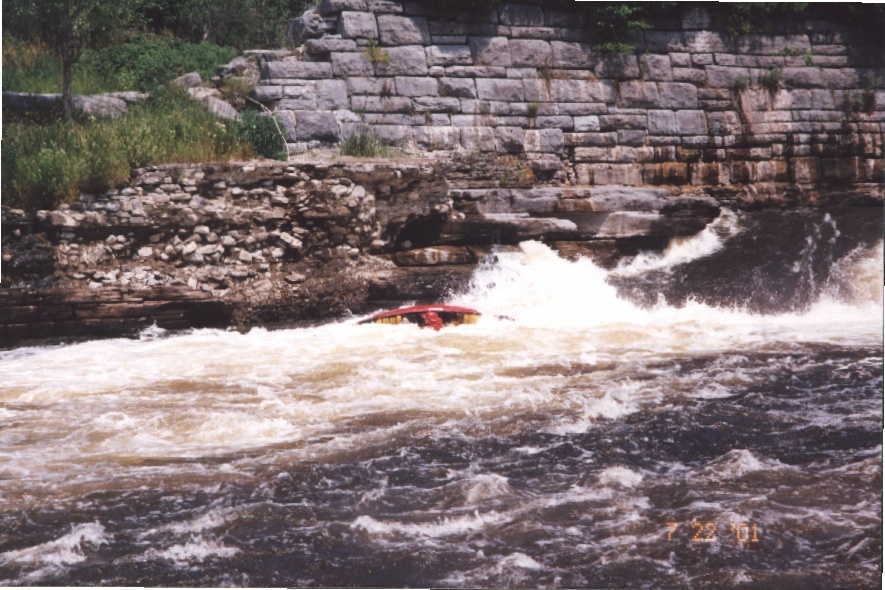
x,y
243,24
69,26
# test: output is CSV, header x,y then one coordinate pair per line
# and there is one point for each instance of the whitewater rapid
x,y
562,372
141,407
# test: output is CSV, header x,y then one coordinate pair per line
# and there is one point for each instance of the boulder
x,y
435,256
201,93
328,44
99,105
408,60
310,25
493,51
630,224
449,55
189,80
95,105
213,104
130,96
333,6
625,198
530,52
505,228
418,283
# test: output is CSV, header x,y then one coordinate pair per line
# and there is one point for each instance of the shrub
x,y
615,48
809,59
240,23
743,18
614,24
515,171
532,109
144,63
771,80
236,89
262,133
364,143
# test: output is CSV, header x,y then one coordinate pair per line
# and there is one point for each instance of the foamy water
x,y
212,407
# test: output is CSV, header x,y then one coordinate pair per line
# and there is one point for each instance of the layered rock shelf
x,y
262,241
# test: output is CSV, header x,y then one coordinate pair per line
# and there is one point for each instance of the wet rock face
x,y
779,261
251,237
53,313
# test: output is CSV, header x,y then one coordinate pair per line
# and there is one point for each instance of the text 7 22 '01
x,y
701,531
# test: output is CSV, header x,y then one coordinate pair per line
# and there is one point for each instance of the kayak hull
x,y
431,316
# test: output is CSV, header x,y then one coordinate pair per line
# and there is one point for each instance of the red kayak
x,y
426,316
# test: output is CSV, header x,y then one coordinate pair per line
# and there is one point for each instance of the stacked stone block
x,y
692,107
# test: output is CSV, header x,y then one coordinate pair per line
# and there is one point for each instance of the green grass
x,y
262,133
46,161
364,143
45,164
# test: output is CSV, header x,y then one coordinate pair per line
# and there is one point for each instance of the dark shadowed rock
x,y
316,126
106,106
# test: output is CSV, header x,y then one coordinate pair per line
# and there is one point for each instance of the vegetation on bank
x,y
47,161
141,63
45,164
92,46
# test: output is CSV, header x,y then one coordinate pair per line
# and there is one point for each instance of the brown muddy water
x,y
606,436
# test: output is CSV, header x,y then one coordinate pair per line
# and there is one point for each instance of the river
x,y
580,435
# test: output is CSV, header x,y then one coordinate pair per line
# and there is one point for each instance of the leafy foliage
x,y
141,63
771,80
613,24
145,62
240,23
376,54
30,66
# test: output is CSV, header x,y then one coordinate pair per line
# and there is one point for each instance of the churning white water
x,y
570,435
102,413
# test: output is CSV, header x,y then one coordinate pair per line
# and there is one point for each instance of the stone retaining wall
x,y
691,107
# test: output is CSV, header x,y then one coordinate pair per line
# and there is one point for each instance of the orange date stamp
x,y
709,531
